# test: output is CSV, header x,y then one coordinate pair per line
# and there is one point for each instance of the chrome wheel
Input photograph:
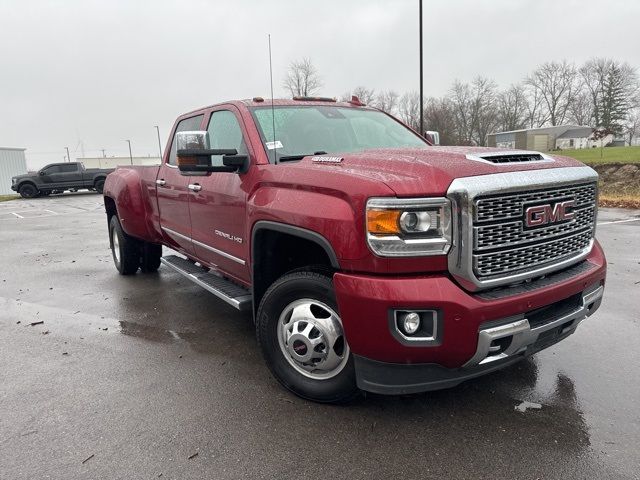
x,y
312,340
115,241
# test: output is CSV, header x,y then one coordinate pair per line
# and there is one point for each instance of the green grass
x,y
4,198
609,155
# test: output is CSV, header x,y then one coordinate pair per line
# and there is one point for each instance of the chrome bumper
x,y
523,336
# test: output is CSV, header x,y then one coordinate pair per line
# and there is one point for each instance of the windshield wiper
x,y
290,158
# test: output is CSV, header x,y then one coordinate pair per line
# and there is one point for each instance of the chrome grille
x,y
513,233
503,247
510,206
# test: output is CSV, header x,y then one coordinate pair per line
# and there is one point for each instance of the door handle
x,y
160,182
195,187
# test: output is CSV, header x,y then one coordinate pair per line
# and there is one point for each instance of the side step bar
x,y
235,295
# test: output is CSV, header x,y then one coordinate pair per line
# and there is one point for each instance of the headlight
x,y
398,227
13,181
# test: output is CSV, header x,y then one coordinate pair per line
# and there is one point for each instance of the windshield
x,y
308,130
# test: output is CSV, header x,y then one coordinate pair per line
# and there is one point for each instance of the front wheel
x,y
28,190
302,340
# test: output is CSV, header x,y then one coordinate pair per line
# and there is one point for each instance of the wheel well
x,y
110,208
276,253
27,182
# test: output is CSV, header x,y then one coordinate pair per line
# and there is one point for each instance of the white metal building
x,y
113,162
12,163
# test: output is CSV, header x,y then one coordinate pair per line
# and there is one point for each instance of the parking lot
x,y
150,376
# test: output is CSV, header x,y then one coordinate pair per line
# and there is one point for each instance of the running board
x,y
235,295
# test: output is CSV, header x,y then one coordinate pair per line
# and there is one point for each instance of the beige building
x,y
113,162
543,139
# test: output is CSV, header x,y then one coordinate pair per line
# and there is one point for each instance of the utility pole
x,y
159,143
103,155
130,155
421,90
68,155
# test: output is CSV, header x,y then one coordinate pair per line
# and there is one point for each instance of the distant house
x,y
574,138
546,138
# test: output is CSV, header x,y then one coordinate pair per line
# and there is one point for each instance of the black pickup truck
x,y
58,178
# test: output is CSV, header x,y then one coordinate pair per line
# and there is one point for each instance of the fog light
x,y
410,323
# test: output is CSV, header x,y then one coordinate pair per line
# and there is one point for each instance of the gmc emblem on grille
x,y
539,215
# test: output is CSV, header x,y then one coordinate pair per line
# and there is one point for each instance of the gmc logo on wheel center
x,y
538,215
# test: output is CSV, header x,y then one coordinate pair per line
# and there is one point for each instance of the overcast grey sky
x,y
100,72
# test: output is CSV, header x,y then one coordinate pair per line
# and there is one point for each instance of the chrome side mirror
x,y
193,155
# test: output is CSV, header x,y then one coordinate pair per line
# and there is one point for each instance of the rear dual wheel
x,y
130,254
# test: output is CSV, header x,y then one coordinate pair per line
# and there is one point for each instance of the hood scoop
x,y
510,157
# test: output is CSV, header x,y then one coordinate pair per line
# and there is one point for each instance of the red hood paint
x,y
425,171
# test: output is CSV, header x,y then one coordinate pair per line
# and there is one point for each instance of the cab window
x,y
72,167
225,133
51,169
185,125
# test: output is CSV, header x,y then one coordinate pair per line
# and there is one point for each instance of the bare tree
x,y
512,107
302,78
474,110
581,109
364,94
439,116
409,109
632,127
556,82
387,101
485,113
460,102
537,115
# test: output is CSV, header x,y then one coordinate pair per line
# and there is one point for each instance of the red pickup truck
x,y
369,259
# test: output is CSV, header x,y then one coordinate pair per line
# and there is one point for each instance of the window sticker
x,y
274,145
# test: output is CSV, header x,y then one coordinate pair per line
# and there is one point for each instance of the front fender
x,y
327,215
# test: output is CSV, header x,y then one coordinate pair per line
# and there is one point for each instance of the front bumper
x,y
521,320
395,379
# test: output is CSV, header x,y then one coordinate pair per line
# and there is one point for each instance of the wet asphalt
x,y
151,377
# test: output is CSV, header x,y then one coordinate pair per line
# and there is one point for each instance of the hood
x,y
24,175
430,170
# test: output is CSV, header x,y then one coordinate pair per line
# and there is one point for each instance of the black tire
x,y
287,289
127,258
150,260
99,185
28,190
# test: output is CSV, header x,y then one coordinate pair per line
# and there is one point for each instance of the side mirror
x,y
194,155
41,172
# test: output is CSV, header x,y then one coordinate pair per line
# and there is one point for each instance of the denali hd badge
x,y
539,215
326,159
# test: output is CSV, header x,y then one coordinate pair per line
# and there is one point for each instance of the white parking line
x,y
50,211
620,221
19,216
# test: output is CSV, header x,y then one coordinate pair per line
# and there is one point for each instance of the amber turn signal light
x,y
383,222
